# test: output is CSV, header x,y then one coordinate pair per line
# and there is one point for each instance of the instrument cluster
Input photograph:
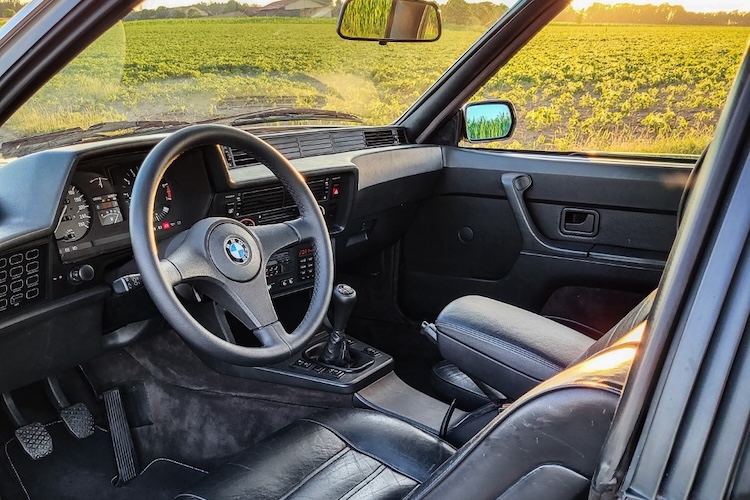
x,y
96,206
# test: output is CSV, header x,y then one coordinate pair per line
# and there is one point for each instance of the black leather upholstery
x,y
451,383
563,421
507,348
545,445
540,336
353,454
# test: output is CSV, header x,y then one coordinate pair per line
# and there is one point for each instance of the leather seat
x,y
533,348
545,445
336,454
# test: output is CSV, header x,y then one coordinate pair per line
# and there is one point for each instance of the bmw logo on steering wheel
x,y
237,250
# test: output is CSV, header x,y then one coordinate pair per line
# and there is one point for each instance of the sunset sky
x,y
693,5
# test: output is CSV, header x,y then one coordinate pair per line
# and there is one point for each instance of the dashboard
x,y
69,287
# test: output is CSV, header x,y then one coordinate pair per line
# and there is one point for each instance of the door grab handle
x,y
579,222
515,185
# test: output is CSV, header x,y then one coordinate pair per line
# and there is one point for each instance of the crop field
x,y
591,87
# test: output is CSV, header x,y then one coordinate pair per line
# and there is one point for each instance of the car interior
x,y
322,313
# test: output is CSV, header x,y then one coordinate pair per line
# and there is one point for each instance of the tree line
x,y
627,13
461,12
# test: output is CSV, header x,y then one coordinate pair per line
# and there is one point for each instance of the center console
x,y
302,371
332,361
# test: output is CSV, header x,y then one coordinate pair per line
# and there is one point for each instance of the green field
x,y
594,87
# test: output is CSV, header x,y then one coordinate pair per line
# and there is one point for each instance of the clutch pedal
x,y
33,438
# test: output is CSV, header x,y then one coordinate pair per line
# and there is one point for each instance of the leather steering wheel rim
x,y
225,259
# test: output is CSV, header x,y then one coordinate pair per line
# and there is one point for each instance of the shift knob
x,y
344,299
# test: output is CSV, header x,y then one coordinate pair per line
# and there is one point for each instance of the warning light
x,y
335,191
165,225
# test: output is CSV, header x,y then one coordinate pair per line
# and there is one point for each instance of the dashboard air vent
x,y
378,138
238,159
315,144
348,141
320,143
262,200
319,189
288,146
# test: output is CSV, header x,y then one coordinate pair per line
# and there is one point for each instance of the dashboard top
x,y
25,217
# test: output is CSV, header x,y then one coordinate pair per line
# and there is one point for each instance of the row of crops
x,y
604,87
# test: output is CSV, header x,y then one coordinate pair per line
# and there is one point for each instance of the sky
x,y
692,5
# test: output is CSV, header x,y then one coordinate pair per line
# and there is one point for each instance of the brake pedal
x,y
35,440
78,419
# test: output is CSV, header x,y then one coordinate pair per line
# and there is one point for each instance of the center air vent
x,y
262,200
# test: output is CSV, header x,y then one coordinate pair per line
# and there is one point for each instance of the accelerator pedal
x,y
122,441
35,440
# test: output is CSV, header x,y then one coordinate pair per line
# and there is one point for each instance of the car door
x,y
541,222
579,239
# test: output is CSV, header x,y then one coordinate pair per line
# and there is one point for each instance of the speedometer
x,y
163,201
75,220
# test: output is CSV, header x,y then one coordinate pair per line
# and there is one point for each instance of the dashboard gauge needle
x,y
59,221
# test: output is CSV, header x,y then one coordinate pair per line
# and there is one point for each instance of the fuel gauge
x,y
110,216
108,209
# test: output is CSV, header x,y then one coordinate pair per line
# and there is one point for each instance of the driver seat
x,y
545,445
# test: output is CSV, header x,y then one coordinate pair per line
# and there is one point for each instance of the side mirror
x,y
390,21
490,120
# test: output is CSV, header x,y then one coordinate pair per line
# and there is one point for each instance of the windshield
x,y
173,62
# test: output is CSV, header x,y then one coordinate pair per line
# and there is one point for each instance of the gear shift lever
x,y
336,350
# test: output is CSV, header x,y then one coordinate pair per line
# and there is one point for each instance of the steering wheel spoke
x,y
274,237
187,256
249,302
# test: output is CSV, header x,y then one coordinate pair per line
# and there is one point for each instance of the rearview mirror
x,y
491,120
390,21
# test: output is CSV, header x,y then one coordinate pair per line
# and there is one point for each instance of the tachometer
x,y
163,201
75,219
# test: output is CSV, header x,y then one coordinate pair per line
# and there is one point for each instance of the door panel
x,y
511,226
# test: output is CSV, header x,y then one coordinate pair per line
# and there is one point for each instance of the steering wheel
x,y
227,260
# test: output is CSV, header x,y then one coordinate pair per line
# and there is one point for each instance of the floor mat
x,y
85,468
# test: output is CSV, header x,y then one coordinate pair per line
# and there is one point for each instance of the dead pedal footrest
x,y
35,440
78,419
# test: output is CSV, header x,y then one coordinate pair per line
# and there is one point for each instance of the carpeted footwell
x,y
85,468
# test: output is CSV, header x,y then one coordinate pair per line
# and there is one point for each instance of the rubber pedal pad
x,y
35,440
78,419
